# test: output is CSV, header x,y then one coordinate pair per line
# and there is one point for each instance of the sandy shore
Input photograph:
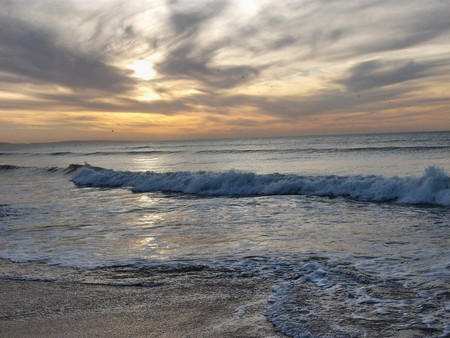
x,y
179,306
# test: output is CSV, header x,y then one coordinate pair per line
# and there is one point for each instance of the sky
x,y
163,70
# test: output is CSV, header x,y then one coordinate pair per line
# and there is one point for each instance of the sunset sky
x,y
161,70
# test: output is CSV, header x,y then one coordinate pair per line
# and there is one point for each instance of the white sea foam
x,y
433,187
346,302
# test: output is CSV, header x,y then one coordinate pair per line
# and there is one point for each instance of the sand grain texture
x,y
184,307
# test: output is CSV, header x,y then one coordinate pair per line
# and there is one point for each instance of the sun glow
x,y
143,69
149,96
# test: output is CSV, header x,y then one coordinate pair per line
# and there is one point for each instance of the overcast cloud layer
x,y
222,68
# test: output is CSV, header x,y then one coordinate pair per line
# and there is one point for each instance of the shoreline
x,y
180,305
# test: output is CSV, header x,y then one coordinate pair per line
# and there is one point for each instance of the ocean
x,y
352,231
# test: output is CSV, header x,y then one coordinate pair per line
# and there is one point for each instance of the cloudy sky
x,y
152,70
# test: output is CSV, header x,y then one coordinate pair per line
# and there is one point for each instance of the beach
x,y
174,305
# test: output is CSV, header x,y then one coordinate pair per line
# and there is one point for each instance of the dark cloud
x,y
338,30
374,74
183,64
405,24
190,58
70,44
34,54
92,102
187,18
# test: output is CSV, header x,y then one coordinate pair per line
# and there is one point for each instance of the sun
x,y
143,69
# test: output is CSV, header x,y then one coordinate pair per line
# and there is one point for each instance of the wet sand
x,y
177,306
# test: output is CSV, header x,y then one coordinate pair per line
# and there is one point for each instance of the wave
x,y
433,187
69,169
8,167
96,153
325,150
61,153
146,152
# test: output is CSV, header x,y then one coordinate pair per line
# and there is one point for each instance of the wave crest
x,y
433,187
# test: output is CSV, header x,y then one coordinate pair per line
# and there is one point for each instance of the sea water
x,y
353,230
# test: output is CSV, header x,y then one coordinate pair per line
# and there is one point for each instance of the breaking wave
x,y
8,167
433,187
